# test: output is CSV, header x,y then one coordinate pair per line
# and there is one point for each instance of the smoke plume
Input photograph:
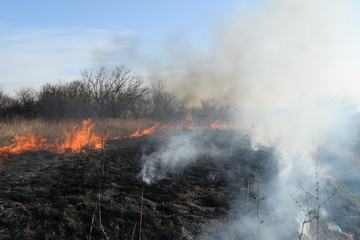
x,y
175,153
292,67
280,52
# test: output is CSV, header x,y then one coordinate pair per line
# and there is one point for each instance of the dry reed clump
x,y
120,128
20,127
115,128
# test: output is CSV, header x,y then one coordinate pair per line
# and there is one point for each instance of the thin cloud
x,y
30,57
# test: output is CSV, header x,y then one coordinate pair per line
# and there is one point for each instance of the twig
x,y
303,226
247,205
104,140
333,194
133,233
308,193
317,227
312,215
99,212
98,206
92,224
298,203
141,211
258,210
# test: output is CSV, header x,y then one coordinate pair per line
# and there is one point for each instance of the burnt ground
x,y
100,195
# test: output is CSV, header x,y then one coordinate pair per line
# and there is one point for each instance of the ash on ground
x,y
101,194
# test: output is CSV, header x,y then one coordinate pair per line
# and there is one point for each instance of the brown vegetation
x,y
104,93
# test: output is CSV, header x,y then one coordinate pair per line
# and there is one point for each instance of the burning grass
x,y
73,137
235,167
54,129
50,200
43,197
62,136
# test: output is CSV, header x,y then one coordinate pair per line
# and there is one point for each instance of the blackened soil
x,y
100,195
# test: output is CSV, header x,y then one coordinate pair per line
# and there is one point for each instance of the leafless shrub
x,y
6,103
63,100
163,105
113,93
26,100
211,110
104,92
101,93
311,206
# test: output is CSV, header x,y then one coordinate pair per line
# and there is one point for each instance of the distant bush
x,y
7,105
104,92
211,110
163,105
98,93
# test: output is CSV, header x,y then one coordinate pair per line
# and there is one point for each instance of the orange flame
x,y
328,176
75,141
82,136
161,126
29,142
219,124
78,138
151,130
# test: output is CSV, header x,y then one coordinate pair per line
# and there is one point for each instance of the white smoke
x,y
294,65
178,152
175,153
278,54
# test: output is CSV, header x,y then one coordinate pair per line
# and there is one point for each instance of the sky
x,y
48,41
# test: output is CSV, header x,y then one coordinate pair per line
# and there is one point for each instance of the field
x,y
102,194
53,129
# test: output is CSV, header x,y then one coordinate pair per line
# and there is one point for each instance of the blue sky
x,y
44,41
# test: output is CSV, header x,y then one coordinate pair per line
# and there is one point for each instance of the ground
x,y
100,194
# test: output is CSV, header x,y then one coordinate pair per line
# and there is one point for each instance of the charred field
x,y
100,194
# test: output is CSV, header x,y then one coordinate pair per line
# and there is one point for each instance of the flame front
x,y
219,124
83,136
78,138
75,141
161,126
151,130
29,142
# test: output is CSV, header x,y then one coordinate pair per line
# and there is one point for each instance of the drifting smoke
x,y
175,154
280,52
290,66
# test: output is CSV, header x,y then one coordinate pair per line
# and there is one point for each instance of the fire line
x,y
82,136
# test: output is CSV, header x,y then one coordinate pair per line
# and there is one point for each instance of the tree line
x,y
105,92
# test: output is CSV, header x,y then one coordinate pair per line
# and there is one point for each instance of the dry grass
x,y
121,127
52,129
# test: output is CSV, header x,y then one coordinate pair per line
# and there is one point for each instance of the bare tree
x,y
113,92
52,101
77,102
164,105
6,103
26,100
103,92
211,110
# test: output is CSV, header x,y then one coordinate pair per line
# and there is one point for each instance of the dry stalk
x,y
92,224
141,212
246,206
104,140
133,233
258,209
311,215
98,206
99,212
317,226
